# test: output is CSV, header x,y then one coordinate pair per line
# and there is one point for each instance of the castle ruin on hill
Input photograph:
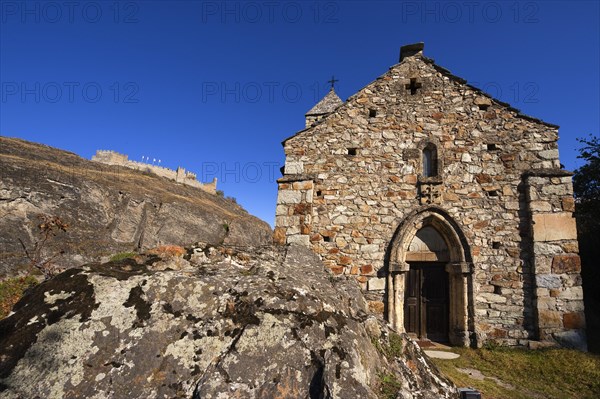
x,y
448,206
180,175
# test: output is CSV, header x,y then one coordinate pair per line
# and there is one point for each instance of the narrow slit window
x,y
430,162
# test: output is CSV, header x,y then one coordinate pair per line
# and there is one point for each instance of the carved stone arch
x,y
456,256
428,216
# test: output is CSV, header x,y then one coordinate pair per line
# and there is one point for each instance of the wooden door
x,y
426,301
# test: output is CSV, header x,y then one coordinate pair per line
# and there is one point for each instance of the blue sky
x,y
216,86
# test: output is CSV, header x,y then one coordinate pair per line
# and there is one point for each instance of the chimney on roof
x,y
411,49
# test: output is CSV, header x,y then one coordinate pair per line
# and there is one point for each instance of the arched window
x,y
430,161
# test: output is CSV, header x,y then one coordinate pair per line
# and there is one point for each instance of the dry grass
x,y
526,374
167,251
11,291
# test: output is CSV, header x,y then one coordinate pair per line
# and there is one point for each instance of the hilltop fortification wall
x,y
180,175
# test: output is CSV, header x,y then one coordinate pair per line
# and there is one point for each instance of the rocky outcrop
x,y
217,322
108,209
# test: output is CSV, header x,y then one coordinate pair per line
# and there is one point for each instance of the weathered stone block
x,y
491,298
289,197
548,154
548,281
294,168
299,239
302,185
345,260
572,293
366,269
568,204
570,247
287,221
337,269
556,189
540,206
566,264
369,248
341,219
549,318
279,235
281,210
375,284
554,227
574,320
302,209
480,100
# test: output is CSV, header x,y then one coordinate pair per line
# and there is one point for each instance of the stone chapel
x,y
448,206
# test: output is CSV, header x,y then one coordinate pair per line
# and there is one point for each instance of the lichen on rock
x,y
258,322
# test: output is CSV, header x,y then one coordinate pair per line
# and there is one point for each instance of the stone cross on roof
x,y
332,81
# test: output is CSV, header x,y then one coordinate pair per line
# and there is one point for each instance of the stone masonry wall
x,y
556,263
351,179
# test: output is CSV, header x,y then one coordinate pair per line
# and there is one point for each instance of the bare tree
x,y
48,228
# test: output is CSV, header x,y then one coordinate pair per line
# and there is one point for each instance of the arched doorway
x,y
429,279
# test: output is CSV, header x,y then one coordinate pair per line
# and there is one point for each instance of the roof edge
x,y
445,72
458,79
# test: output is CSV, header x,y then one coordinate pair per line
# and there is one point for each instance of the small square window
x,y
492,147
352,151
372,113
496,245
327,238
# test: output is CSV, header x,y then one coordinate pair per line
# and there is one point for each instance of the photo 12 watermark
x,y
513,93
261,92
69,92
269,12
469,12
69,12
240,172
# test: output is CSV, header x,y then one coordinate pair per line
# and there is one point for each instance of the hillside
x,y
107,209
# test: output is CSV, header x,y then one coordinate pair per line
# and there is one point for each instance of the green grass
x,y
547,374
11,290
390,350
388,386
121,256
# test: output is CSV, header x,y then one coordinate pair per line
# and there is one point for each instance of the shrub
x,y
48,228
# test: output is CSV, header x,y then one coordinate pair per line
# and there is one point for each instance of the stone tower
x,y
323,108
448,206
